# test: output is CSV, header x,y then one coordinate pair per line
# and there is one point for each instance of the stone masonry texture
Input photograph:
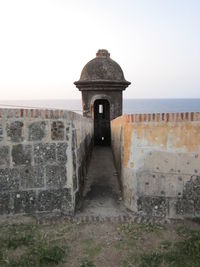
x,y
44,156
15,131
158,160
37,130
40,160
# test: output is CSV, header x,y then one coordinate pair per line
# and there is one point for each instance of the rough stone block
x,y
4,203
188,163
24,201
160,161
32,177
177,163
74,139
160,184
174,185
151,184
4,155
55,200
155,136
74,162
61,151
172,208
185,207
153,206
1,132
56,176
66,204
44,153
37,131
75,178
197,207
192,188
45,201
21,154
9,179
68,131
15,131
57,130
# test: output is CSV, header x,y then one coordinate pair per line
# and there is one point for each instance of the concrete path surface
x,y
102,196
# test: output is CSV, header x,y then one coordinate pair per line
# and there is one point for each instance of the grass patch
x,y
196,220
91,248
24,246
152,260
132,233
165,244
40,256
87,263
136,231
125,245
183,254
20,236
128,262
183,231
46,253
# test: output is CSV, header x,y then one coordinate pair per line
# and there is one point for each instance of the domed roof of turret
x,y
102,70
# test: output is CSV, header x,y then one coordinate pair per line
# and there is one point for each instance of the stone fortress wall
x,y
44,156
158,159
43,160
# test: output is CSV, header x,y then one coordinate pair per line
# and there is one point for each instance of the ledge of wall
x,y
162,117
158,159
43,159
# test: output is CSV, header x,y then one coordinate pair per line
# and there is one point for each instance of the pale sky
x,y
44,44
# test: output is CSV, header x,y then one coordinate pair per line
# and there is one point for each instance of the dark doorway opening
x,y
102,122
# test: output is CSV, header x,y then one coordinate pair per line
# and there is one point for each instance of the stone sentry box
x,y
102,78
43,160
101,84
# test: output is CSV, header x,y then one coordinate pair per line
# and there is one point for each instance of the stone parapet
x,y
158,160
161,117
43,160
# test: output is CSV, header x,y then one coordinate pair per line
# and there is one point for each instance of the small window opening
x,y
100,108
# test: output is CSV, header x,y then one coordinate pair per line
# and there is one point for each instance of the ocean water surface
x,y
160,105
129,105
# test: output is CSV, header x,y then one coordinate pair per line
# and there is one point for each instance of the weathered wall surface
x,y
158,158
114,98
43,160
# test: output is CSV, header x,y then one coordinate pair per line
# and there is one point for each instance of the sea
x,y
130,106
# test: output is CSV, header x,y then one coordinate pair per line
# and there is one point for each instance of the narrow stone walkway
x,y
102,196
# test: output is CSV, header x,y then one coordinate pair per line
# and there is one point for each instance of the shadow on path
x,y
102,196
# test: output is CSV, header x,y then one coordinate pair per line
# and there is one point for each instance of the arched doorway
x,y
102,122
